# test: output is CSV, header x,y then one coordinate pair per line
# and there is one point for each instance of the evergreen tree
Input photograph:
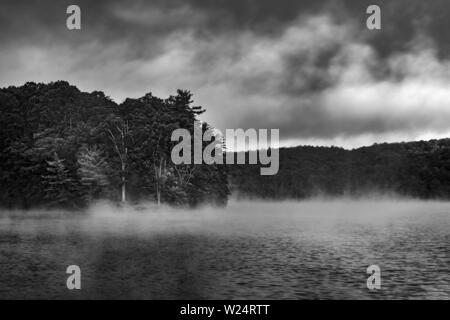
x,y
60,187
93,173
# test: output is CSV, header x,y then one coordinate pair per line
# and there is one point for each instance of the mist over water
x,y
318,248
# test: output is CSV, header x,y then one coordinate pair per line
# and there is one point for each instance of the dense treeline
x,y
414,169
65,148
62,147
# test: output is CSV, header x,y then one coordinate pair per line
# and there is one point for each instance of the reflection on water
x,y
289,250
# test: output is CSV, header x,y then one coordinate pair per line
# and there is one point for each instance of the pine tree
x,y
59,185
93,173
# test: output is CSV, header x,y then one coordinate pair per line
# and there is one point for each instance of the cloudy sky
x,y
307,67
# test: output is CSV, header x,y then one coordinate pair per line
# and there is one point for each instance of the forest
x,y
61,147
418,169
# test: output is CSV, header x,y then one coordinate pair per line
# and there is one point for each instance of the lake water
x,y
249,250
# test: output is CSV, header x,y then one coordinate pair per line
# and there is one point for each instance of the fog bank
x,y
240,217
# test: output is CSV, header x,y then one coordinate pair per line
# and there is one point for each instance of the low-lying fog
x,y
318,248
238,216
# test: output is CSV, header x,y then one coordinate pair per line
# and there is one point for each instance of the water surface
x,y
250,250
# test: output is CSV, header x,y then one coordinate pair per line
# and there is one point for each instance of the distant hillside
x,y
417,169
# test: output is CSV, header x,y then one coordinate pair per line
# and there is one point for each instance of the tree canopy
x,y
418,169
63,147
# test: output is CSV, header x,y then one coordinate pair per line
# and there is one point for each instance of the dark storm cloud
x,y
116,20
309,68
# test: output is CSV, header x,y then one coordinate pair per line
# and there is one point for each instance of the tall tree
x,y
93,172
120,137
60,187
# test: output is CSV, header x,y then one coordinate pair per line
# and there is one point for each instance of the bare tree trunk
x,y
159,179
124,193
120,146
158,196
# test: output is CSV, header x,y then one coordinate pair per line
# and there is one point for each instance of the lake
x,y
316,249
